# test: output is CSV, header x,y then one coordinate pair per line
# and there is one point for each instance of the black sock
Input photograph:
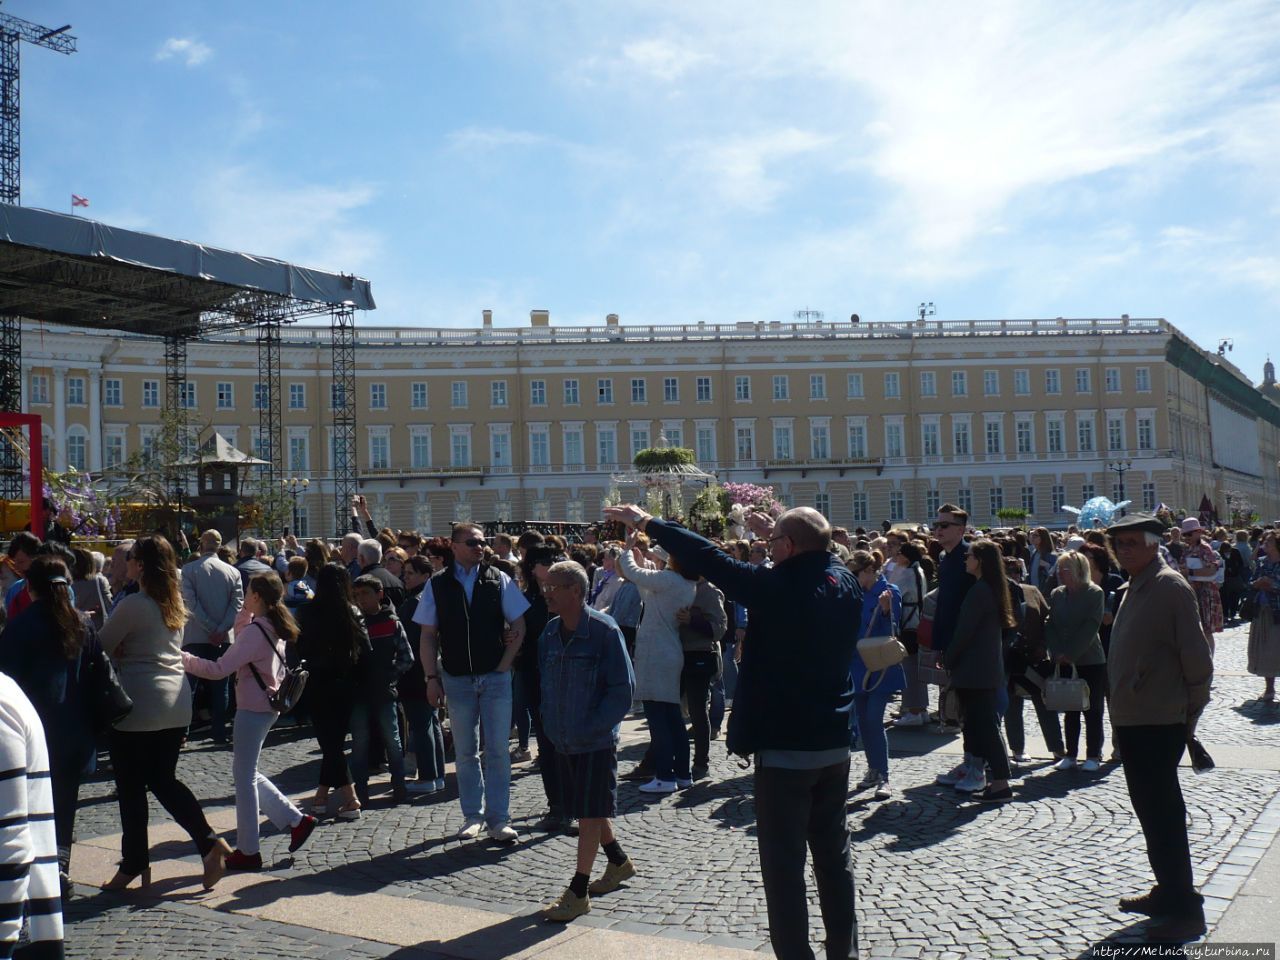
x,y
613,850
579,884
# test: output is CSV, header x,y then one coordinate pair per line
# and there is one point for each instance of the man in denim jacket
x,y
587,686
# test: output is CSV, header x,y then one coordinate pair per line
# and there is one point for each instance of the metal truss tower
x,y
343,402
267,398
12,32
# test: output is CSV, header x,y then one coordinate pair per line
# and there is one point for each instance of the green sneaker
x,y
570,906
614,876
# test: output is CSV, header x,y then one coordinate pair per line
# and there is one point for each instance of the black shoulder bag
x,y
290,690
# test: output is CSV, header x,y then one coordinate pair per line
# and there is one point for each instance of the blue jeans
x,y
481,703
363,714
425,738
219,696
869,709
670,740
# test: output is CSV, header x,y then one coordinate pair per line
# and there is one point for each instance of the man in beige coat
x,y
1159,670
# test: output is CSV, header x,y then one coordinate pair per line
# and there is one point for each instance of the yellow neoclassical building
x,y
866,421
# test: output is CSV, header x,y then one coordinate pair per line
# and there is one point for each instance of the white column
x,y
95,421
59,419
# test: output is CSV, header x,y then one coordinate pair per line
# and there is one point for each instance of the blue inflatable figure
x,y
1098,512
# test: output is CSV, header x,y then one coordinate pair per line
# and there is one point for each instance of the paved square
x,y
936,877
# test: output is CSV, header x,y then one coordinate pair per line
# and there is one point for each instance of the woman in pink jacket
x,y
257,660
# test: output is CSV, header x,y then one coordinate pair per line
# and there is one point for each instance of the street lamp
x,y
1120,468
293,486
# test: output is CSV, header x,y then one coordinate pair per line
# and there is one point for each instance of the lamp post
x,y
1120,468
293,486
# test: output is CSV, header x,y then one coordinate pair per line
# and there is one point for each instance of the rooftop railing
x,y
744,330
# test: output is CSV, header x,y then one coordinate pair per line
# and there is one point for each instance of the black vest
x,y
470,637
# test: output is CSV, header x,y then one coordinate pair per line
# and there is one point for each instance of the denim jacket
x,y
587,683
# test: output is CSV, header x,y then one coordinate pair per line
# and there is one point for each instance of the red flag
x,y
79,201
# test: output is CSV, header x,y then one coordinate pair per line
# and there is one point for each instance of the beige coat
x,y
1160,665
148,657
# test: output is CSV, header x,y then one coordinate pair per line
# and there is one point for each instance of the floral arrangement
x,y
750,497
76,507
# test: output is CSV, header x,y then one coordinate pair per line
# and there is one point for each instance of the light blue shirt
x,y
514,603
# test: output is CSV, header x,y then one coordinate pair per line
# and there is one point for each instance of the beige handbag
x,y
879,653
1066,694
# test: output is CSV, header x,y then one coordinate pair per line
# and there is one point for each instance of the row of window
x,y
224,390
785,443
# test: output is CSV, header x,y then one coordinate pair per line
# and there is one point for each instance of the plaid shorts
x,y
588,783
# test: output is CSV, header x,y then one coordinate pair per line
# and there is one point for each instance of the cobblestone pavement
x,y
1038,877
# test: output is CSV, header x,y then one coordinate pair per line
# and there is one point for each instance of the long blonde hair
x,y
159,578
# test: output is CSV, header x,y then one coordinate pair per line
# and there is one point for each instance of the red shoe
x,y
298,835
244,861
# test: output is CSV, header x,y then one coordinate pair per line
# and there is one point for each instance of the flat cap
x,y
1138,522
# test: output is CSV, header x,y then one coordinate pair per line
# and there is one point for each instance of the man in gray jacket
x,y
214,593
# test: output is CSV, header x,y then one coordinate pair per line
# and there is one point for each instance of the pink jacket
x,y
255,644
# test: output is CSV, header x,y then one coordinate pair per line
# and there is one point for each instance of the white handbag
x,y
879,653
1066,694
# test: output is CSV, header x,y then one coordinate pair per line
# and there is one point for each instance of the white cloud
x,y
494,138
190,51
666,60
743,171
312,225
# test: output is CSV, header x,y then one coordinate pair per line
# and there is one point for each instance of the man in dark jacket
x,y
370,557
953,581
248,564
791,709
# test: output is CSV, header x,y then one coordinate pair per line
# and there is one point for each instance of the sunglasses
x,y
473,542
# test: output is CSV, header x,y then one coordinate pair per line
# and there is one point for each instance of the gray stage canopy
x,y
69,270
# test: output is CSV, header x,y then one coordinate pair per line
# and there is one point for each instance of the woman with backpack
x,y
257,658
50,650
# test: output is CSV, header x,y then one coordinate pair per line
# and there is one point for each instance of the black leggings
x,y
1096,677
700,671
981,731
148,760
331,720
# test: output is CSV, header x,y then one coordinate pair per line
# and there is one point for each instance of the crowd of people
x,y
411,644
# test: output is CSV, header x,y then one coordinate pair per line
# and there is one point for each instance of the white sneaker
x,y
470,830
954,775
503,833
1019,758
659,786
421,787
440,784
1092,764
975,779
683,784
1066,763
910,720
882,788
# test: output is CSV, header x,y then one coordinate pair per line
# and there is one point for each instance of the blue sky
x,y
675,161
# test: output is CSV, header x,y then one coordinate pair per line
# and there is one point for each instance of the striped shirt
x,y
28,847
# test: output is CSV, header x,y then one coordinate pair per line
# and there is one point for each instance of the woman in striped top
x,y
28,847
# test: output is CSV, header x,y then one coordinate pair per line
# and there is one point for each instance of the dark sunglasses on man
x,y
473,542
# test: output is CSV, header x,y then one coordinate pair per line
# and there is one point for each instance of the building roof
x,y
64,269
217,449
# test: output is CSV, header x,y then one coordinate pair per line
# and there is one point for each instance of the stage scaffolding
x,y
69,271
